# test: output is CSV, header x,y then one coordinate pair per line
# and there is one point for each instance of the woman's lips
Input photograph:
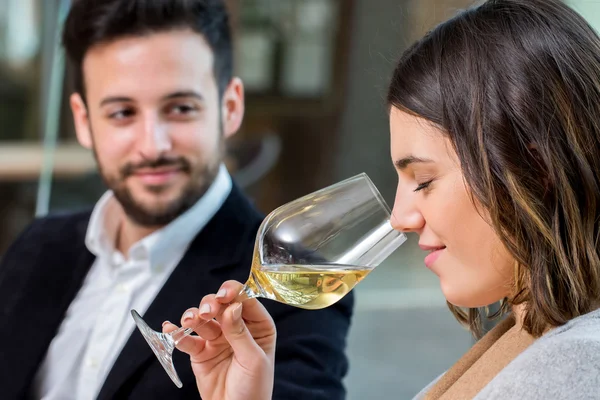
x,y
435,253
432,257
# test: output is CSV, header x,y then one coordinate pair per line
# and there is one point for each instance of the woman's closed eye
x,y
423,185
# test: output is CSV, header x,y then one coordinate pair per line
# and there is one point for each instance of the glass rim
x,y
375,192
363,175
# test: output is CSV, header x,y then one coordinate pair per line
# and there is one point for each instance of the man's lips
x,y
156,176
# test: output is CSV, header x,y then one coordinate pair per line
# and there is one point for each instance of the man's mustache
x,y
178,162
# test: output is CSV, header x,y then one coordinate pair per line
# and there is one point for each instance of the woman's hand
x,y
233,357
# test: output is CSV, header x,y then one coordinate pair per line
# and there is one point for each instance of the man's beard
x,y
201,178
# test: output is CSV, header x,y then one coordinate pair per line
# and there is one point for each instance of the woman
x,y
495,135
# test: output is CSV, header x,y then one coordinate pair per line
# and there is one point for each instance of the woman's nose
x,y
405,215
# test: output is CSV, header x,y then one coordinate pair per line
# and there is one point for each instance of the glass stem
x,y
180,333
247,292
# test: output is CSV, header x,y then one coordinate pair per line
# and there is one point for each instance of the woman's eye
x,y
423,185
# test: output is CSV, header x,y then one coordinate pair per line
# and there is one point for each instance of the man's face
x,y
155,122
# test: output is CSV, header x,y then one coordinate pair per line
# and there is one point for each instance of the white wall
x,y
589,9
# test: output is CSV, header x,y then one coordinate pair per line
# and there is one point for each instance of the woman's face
x,y
432,200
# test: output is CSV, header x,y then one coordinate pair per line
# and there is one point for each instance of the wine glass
x,y
309,253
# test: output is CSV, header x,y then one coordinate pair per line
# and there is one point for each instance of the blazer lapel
x,y
197,274
34,314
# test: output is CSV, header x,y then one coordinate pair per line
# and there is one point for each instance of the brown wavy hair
x,y
515,85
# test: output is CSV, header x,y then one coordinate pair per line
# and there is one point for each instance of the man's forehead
x,y
165,61
173,45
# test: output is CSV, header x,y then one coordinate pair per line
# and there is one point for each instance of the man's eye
x,y
121,114
183,109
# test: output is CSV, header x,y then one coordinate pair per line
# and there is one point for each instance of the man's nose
x,y
156,139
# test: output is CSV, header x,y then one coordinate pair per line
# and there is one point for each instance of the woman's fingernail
x,y
237,312
205,309
188,315
165,323
221,293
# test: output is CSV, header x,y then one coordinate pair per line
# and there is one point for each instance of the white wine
x,y
311,287
306,286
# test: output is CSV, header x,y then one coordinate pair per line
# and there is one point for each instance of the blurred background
x,y
316,73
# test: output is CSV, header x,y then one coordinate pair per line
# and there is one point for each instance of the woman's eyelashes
x,y
423,185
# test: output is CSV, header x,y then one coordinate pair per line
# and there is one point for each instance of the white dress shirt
x,y
98,321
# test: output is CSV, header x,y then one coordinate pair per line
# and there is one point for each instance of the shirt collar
x,y
103,226
160,246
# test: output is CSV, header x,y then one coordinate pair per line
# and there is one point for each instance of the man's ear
x,y
233,107
81,120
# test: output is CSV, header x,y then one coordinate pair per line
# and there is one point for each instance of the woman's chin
x,y
464,298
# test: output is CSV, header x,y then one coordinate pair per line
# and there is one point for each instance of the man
x,y
155,99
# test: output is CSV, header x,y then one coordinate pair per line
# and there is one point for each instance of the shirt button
x,y
91,362
121,288
117,259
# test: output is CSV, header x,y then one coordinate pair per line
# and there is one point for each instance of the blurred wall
x,y
590,9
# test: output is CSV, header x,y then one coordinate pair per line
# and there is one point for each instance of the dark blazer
x,y
45,267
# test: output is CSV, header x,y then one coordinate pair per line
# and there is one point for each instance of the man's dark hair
x,y
91,22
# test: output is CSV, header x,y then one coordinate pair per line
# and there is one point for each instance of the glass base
x,y
162,345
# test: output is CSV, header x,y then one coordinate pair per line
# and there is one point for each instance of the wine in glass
x,y
309,253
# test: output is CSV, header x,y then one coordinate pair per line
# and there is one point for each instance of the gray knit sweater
x,y
563,364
